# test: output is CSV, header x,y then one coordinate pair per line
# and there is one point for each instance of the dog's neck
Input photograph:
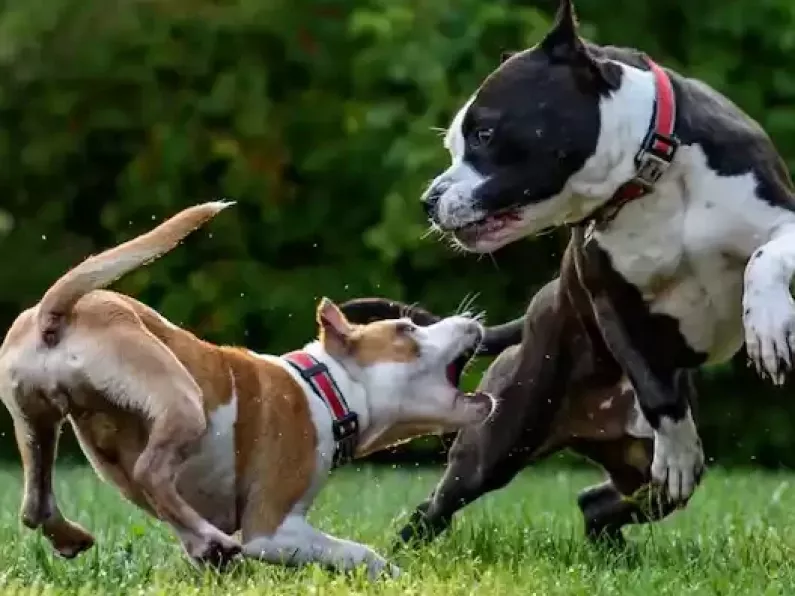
x,y
625,118
377,429
355,393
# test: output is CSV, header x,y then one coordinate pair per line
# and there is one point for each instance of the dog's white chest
x,y
666,248
207,479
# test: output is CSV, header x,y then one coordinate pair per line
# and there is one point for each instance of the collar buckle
x,y
346,427
654,158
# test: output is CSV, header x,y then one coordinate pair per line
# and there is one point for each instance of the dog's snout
x,y
429,205
475,330
430,200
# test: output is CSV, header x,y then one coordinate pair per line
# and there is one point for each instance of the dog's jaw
x,y
491,232
408,399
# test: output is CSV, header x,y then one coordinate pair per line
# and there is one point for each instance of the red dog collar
x,y
656,152
345,422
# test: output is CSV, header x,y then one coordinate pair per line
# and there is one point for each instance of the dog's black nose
x,y
429,202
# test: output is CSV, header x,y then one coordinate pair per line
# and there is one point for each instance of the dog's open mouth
x,y
488,227
454,372
456,368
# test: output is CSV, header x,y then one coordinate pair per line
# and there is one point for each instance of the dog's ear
x,y
563,44
605,75
563,41
335,330
505,55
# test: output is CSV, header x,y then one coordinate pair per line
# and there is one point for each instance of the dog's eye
x,y
404,328
482,137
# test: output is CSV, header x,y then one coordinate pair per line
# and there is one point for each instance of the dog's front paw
x,y
420,528
378,568
67,538
678,463
769,322
394,571
213,548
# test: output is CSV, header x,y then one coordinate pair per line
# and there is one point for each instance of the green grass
x,y
736,537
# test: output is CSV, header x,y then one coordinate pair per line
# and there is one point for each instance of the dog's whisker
x,y
473,298
466,303
453,245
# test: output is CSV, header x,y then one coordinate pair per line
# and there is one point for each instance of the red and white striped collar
x,y
345,422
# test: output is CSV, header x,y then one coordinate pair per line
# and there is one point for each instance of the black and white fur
x,y
701,264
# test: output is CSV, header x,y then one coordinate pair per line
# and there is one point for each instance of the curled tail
x,y
103,269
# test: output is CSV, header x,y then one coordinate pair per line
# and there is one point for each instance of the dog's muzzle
x,y
430,199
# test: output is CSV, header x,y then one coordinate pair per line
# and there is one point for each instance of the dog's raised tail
x,y
99,271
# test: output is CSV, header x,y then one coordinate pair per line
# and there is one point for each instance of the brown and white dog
x,y
215,439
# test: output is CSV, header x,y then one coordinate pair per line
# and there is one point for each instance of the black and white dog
x,y
682,213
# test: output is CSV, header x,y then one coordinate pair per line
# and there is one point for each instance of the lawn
x,y
736,537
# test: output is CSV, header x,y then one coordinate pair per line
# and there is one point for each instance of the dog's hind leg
x,y
608,507
138,372
36,429
606,510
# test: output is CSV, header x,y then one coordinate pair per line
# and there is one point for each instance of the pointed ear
x,y
563,44
563,41
335,330
606,74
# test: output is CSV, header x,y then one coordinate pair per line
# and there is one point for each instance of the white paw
x,y
678,462
769,321
378,568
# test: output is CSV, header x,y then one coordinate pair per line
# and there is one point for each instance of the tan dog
x,y
216,439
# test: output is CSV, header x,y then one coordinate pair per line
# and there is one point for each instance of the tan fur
x,y
379,341
275,440
135,404
103,269
383,342
275,443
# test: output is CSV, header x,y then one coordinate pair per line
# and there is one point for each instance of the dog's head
x,y
520,138
403,368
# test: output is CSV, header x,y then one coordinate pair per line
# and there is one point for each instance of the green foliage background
x,y
318,117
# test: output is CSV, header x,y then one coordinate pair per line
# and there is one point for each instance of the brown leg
x,y
151,380
37,439
156,472
118,471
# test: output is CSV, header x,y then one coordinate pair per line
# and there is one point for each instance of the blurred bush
x,y
320,118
